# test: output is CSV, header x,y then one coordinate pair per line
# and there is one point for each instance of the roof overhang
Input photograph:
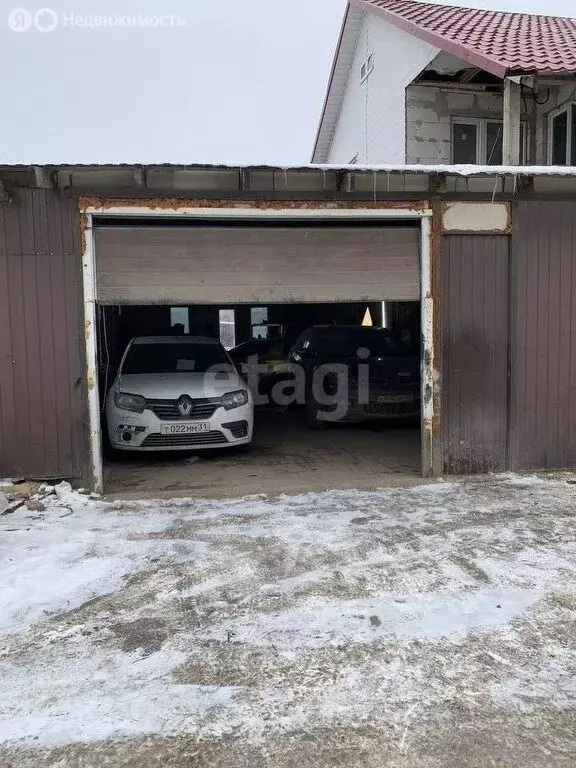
x,y
292,182
339,74
475,59
462,52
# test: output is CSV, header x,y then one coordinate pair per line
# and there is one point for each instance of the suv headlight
x,y
126,402
235,399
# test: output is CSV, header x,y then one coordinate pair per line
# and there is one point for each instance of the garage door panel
x,y
337,279
256,264
180,296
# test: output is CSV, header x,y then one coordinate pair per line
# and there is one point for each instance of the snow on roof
x,y
449,170
498,42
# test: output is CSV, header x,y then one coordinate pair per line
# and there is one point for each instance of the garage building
x,y
479,268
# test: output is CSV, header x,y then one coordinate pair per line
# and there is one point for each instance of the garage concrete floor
x,y
285,457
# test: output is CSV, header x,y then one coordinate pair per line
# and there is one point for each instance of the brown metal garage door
x,y
256,264
543,365
475,280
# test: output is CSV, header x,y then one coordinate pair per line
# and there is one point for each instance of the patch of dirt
x,y
146,634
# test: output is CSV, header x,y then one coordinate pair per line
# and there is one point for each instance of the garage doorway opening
x,y
227,269
288,453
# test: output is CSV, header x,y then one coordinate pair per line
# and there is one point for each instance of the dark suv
x,y
354,373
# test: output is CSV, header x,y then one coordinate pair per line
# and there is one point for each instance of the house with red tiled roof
x,y
418,83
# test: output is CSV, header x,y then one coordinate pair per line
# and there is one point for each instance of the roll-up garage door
x,y
256,264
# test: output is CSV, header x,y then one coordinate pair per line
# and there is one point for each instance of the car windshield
x,y
347,341
175,358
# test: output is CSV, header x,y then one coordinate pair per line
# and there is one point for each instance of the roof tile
x,y
514,42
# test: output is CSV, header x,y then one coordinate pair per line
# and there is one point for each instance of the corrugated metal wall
x,y
543,364
42,418
475,290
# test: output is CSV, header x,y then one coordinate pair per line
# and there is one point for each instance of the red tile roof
x,y
500,43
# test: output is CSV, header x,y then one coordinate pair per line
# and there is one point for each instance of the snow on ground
x,y
258,619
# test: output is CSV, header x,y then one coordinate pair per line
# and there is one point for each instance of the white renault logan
x,y
178,393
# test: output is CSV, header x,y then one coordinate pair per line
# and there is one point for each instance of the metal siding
x,y
256,264
475,301
543,367
42,409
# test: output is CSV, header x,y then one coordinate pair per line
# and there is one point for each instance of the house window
x,y
480,142
466,143
494,143
562,137
227,323
180,320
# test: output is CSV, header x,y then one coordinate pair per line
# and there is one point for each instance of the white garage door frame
x,y
258,215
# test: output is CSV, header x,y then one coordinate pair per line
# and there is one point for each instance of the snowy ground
x,y
413,627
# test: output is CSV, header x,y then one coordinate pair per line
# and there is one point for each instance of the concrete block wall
x,y
429,114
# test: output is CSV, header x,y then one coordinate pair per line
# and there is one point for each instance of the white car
x,y
178,393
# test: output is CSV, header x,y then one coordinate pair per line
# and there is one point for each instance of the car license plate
x,y
395,399
196,428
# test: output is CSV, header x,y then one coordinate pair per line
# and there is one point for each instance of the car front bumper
x,y
383,404
144,431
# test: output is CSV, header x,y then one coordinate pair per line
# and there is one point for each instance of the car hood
x,y
170,386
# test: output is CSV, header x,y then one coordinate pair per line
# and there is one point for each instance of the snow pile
x,y
75,550
108,695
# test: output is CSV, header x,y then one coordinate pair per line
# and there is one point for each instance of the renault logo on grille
x,y
185,405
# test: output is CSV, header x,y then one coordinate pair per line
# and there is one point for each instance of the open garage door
x,y
251,264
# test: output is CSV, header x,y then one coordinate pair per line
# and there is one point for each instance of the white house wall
x,y
372,122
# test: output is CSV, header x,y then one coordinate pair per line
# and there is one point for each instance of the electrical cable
x,y
546,100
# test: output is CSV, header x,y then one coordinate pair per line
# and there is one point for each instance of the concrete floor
x,y
285,457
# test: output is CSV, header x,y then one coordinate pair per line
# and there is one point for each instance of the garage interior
x,y
239,282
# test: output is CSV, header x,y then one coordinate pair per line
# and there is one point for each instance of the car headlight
x,y
235,399
126,402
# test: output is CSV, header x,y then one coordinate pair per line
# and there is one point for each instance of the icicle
x,y
495,188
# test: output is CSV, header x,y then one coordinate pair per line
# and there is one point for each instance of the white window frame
x,y
569,109
481,124
469,121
